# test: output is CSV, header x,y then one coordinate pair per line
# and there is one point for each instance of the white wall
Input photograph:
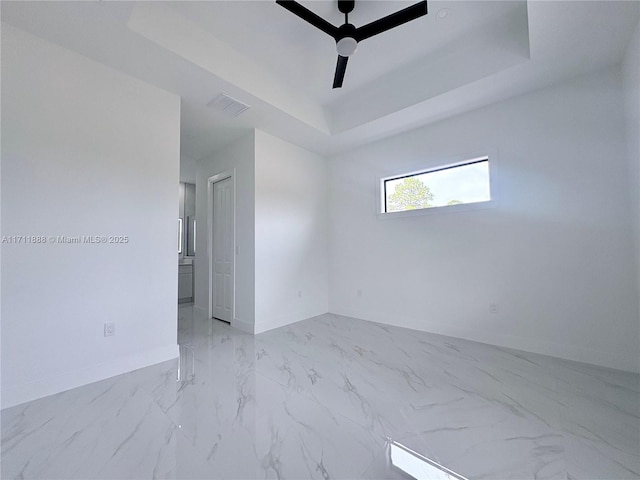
x,y
631,72
240,155
187,169
85,151
553,254
281,224
291,233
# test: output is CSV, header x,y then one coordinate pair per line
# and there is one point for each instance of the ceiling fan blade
x,y
341,67
390,21
307,15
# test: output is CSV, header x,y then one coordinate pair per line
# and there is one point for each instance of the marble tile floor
x,y
320,398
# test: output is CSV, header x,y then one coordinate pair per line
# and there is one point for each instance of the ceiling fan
x,y
347,36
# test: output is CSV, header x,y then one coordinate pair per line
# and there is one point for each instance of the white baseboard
x,y
284,320
566,352
202,311
243,326
25,392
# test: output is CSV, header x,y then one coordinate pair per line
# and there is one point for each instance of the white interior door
x,y
223,250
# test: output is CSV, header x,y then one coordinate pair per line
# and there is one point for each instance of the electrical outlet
x,y
493,308
109,329
299,293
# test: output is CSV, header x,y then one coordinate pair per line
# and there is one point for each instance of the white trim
x,y
288,319
210,181
43,387
243,326
435,164
201,311
563,351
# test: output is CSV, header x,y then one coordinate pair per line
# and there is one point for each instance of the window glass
x,y
453,185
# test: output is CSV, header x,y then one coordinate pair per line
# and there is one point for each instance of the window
x,y
463,183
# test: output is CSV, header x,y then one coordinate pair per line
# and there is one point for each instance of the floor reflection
x,y
320,399
417,466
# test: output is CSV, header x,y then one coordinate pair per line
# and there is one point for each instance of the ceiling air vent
x,y
228,105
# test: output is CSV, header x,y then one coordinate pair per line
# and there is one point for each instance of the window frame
x,y
435,166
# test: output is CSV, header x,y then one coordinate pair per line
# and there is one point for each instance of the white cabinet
x,y
185,283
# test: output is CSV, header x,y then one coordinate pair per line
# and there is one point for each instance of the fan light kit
x,y
347,36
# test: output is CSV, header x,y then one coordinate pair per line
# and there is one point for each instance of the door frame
x,y
211,180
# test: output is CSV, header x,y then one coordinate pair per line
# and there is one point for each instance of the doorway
x,y
222,246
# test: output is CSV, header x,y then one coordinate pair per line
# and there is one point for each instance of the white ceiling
x,y
258,52
305,57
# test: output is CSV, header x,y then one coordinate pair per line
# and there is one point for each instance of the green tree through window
x,y
410,195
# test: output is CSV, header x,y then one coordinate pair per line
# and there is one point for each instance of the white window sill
x,y
445,209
